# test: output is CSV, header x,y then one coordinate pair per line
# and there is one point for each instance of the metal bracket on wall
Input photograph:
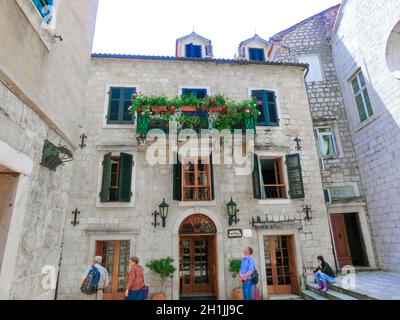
x,y
83,137
75,213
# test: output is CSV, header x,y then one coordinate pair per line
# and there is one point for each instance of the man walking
x,y
246,270
102,279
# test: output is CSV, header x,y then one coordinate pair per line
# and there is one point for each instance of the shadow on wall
x,y
376,140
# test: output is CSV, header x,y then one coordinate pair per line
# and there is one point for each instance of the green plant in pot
x,y
165,269
234,269
189,102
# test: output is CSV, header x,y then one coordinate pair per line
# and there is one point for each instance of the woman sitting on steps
x,y
323,274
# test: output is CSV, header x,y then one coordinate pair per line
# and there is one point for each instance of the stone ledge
x,y
110,229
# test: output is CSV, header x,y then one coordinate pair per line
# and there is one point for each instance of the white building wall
x,y
360,41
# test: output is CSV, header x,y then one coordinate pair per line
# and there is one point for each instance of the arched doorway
x,y
198,257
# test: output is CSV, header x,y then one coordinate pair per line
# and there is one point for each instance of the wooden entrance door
x,y
340,238
197,267
115,255
280,264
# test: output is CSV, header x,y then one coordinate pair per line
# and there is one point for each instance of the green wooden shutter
x,y
272,111
125,177
256,179
177,180
106,179
212,178
295,176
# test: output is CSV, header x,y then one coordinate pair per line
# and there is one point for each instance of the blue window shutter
x,y
198,93
251,54
272,108
256,179
260,95
188,50
197,52
261,55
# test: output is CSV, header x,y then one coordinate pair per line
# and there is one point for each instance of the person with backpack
x,y
248,275
135,288
94,280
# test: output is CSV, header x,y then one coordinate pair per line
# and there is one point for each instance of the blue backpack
x,y
91,283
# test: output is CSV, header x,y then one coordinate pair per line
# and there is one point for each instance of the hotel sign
x,y
235,233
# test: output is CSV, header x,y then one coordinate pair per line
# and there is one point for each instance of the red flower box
x,y
216,108
158,109
188,108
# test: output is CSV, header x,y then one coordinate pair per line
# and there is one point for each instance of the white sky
x,y
151,27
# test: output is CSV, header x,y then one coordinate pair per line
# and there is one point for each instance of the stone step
x,y
358,296
311,295
330,294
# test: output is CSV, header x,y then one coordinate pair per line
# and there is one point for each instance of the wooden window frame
x,y
360,92
196,186
279,169
116,160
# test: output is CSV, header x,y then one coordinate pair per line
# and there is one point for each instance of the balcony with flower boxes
x,y
189,112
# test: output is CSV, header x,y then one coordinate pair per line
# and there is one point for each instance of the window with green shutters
x,y
116,183
120,99
363,102
267,106
44,7
269,180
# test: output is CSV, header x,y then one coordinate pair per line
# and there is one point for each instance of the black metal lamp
x,y
163,212
232,212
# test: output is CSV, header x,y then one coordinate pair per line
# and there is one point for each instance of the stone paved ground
x,y
378,285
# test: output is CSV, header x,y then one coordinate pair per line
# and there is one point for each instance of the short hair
x,y
250,250
98,259
134,259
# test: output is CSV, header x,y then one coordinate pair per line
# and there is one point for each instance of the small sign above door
x,y
235,233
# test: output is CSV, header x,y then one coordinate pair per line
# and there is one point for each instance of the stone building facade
x,y
127,227
310,42
365,46
42,82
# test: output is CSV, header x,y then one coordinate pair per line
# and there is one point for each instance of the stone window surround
x,y
115,152
278,107
106,103
36,20
352,108
274,155
345,184
336,135
108,233
298,254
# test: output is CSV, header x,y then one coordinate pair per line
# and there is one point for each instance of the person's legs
x,y
134,295
325,279
246,287
317,277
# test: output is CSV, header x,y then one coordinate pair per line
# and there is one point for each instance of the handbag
x,y
145,292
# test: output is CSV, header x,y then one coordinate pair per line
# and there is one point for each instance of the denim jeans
x,y
324,278
248,290
134,295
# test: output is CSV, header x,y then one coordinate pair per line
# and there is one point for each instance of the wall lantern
x,y
53,156
163,213
232,212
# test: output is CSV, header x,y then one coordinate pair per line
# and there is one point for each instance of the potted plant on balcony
x,y
158,104
234,269
140,104
174,103
215,103
189,103
165,269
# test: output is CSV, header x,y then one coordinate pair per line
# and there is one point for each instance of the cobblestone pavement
x,y
378,285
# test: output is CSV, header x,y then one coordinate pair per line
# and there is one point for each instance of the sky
x,y
150,27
